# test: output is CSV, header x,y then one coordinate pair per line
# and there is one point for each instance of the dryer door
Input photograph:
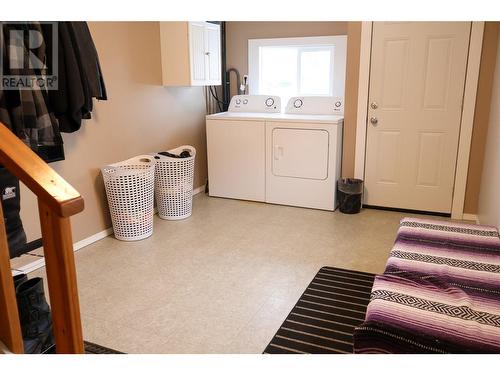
x,y
300,153
302,163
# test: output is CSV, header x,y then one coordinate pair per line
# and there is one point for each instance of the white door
x,y
213,49
197,49
417,78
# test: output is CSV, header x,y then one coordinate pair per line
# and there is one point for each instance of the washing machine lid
x,y
277,117
315,105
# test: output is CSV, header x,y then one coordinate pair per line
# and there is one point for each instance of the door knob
x,y
374,105
374,120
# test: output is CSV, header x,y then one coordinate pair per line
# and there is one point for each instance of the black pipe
x,y
238,80
225,75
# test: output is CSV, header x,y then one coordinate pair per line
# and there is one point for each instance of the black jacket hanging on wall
x,y
80,77
88,61
26,112
67,101
38,116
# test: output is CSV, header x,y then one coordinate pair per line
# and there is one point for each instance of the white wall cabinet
x,y
190,53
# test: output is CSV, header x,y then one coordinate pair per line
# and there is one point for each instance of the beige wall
x,y
238,33
140,116
481,115
489,197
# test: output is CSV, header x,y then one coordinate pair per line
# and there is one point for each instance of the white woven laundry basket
x,y
174,184
130,190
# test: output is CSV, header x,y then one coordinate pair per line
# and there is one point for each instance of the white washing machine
x,y
290,158
236,147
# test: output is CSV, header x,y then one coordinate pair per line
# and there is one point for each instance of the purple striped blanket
x,y
440,292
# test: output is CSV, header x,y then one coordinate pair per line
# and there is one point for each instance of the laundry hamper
x,y
174,183
130,190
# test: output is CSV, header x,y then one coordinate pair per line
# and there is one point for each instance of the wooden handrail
x,y
57,201
42,180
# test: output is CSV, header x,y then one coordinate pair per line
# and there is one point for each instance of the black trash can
x,y
349,192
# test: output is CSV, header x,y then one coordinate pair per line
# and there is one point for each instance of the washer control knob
x,y
298,103
338,104
245,101
269,102
238,101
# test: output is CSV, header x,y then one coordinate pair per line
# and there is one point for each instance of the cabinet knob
x,y
207,53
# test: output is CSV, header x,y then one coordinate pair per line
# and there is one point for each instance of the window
x,y
297,66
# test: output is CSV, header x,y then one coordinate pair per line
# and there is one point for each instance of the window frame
x,y
338,69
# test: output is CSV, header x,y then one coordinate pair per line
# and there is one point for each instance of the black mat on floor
x,y
324,318
91,348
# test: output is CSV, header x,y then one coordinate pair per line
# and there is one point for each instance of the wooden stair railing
x,y
57,201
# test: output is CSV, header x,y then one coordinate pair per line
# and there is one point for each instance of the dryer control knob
x,y
338,104
238,101
269,102
298,103
245,101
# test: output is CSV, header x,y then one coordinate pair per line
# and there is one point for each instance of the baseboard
x,y
471,217
39,263
90,240
30,267
199,189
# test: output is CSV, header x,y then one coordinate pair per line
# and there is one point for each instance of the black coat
x,y
79,76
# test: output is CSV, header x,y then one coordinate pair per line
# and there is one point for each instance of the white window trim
x,y
339,65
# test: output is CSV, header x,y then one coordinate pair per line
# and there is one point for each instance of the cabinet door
x,y
197,50
214,59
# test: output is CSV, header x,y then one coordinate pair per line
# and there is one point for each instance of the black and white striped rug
x,y
324,318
